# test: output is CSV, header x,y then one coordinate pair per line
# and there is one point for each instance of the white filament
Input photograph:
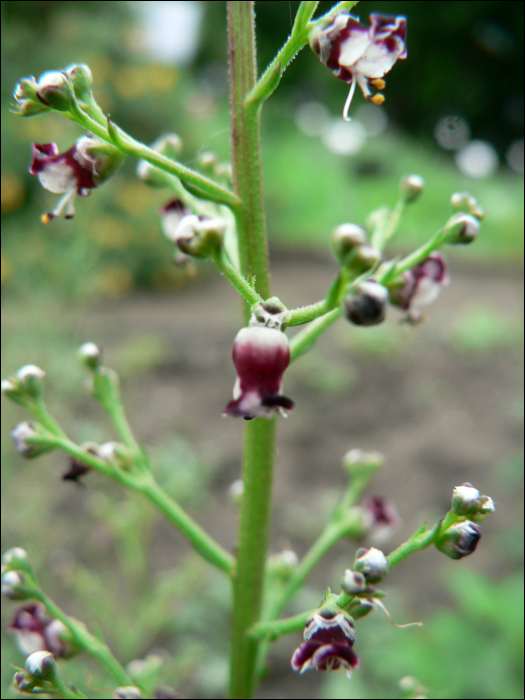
x,y
349,101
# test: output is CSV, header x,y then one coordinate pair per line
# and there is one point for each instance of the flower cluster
x,y
329,636
35,631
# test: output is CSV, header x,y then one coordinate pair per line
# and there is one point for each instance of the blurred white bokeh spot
x,y
373,117
452,132
170,29
344,138
311,117
477,159
514,156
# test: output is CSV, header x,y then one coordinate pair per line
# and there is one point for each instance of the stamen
x,y
66,201
377,603
349,101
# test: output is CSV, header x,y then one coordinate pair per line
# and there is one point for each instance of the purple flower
x,y
329,637
261,353
420,285
86,165
358,54
34,631
382,518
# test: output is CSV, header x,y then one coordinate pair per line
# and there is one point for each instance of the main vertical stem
x,y
259,433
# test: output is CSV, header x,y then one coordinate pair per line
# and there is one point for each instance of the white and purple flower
x,y
361,55
261,353
35,631
86,165
420,286
329,636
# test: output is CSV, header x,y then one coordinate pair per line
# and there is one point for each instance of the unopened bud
x,y
13,585
81,78
41,665
372,563
365,304
55,90
236,492
460,540
411,187
462,229
116,453
207,161
169,145
345,238
465,499
283,565
353,582
15,559
90,355
23,682
463,201
360,607
363,258
31,439
200,236
127,691
27,102
360,464
31,379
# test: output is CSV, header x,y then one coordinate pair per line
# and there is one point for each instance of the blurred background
x,y
442,401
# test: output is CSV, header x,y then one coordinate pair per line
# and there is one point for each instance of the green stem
x,y
385,232
146,485
237,280
252,548
414,544
272,630
90,644
129,145
245,147
308,313
304,340
413,259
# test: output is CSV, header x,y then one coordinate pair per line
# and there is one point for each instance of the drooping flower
x,y
420,286
329,636
86,165
35,631
358,54
171,215
261,353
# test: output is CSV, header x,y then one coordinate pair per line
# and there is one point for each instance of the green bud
x,y
200,236
31,379
14,585
461,229
363,258
283,565
353,582
15,559
90,355
372,563
55,89
464,201
345,238
169,145
411,187
32,439
41,665
27,102
460,540
361,464
81,79
106,158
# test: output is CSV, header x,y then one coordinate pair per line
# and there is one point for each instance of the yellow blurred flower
x,y
13,192
131,82
6,269
110,232
161,78
165,279
114,282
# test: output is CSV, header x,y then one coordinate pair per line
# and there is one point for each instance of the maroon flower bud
x,y
460,540
353,582
329,636
358,54
200,236
381,517
365,304
420,285
171,215
55,89
86,165
261,353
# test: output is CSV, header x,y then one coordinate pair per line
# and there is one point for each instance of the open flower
x,y
86,165
329,636
358,54
420,286
171,215
35,631
261,353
